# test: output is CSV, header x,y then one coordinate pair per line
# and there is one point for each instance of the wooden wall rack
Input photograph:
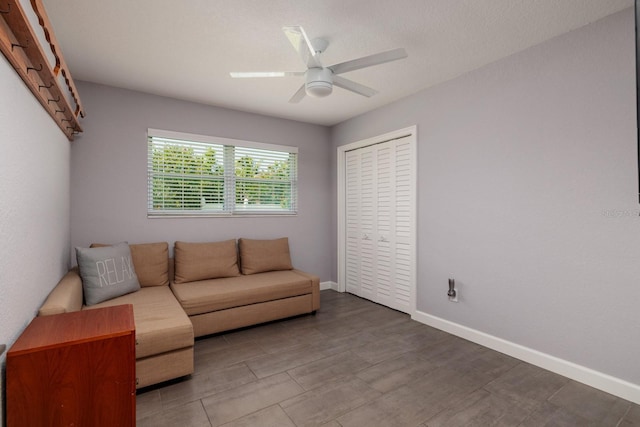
x,y
22,48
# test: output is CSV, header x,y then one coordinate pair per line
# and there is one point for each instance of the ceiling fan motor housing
x,y
319,82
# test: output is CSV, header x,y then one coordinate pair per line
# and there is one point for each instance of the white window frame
x,y
230,209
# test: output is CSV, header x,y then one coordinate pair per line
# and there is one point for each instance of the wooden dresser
x,y
74,369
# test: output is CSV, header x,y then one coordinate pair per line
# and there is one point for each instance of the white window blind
x,y
194,175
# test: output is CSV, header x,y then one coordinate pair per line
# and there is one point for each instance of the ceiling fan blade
x,y
297,97
252,74
353,86
302,45
368,61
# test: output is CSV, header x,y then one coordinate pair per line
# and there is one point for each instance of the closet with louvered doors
x,y
379,223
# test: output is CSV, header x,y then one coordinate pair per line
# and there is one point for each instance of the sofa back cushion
x,y
200,261
151,262
257,256
107,272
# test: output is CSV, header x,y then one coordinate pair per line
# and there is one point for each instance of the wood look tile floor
x,y
356,363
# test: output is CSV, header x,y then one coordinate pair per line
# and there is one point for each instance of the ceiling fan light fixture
x,y
319,82
319,89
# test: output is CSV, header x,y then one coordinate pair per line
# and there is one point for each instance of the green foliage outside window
x,y
190,177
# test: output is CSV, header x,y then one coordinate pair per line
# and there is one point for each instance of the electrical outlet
x,y
452,293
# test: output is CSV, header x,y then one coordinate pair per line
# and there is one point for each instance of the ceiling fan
x,y
319,80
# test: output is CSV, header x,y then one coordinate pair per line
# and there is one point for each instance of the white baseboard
x,y
590,377
328,285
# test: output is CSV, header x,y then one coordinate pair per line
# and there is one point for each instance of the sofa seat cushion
x,y
218,294
161,324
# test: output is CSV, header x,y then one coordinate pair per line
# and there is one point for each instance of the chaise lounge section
x,y
164,334
207,288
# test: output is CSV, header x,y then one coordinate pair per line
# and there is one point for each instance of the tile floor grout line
x,y
205,412
557,391
624,416
286,413
252,371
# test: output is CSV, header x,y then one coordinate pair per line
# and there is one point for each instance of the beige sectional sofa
x,y
206,288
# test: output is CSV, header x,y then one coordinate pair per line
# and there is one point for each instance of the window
x,y
193,175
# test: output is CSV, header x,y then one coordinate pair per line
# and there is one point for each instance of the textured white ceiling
x,y
186,49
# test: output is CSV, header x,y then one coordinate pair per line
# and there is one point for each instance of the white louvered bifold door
x,y
385,224
352,208
367,225
379,223
404,224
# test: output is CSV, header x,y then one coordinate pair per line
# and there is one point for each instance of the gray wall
x,y
34,206
109,176
528,196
